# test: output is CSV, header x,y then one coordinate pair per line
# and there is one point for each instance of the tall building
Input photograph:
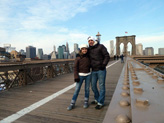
x,y
73,55
22,52
139,49
149,51
40,53
64,48
9,48
4,56
67,48
76,49
54,54
65,55
46,57
54,48
111,48
2,50
30,52
161,51
143,52
60,52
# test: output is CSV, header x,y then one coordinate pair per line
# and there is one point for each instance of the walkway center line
x,y
112,64
32,107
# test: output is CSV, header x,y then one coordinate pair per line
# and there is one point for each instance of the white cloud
x,y
29,22
150,38
38,14
33,23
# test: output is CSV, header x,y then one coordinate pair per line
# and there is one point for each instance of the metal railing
x,y
138,96
23,73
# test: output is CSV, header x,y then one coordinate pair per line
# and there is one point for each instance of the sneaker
x,y
70,107
94,102
98,106
86,105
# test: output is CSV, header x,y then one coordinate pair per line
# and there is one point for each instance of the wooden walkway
x,y
55,111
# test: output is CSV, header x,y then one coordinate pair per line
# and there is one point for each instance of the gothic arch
x,y
125,40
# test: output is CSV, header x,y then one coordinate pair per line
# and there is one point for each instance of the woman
x,y
81,73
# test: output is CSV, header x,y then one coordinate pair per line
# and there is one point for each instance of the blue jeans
x,y
78,87
99,76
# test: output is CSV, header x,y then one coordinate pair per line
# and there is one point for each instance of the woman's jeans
x,y
78,87
99,76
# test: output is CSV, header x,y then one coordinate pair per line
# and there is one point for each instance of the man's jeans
x,y
78,87
99,76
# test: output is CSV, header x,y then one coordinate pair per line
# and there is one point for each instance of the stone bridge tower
x,y
125,40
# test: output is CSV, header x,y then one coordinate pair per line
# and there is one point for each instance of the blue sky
x,y
44,23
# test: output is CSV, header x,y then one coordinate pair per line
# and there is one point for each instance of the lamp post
x,y
98,37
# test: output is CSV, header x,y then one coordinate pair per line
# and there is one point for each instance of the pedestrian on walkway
x,y
81,73
122,58
99,58
117,57
114,57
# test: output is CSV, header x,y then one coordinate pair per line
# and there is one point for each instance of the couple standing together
x,y
95,57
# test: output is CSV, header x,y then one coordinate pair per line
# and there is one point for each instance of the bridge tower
x,y
125,40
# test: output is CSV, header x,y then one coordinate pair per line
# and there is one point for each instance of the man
x,y
99,58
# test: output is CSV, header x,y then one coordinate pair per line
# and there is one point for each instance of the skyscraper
x,y
22,52
40,53
65,55
3,53
149,51
54,48
46,57
60,52
64,48
54,54
161,51
139,49
67,48
111,48
76,49
30,52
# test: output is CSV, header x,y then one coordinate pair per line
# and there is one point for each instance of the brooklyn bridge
x,y
40,91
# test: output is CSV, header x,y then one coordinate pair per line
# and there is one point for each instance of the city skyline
x,y
43,24
139,50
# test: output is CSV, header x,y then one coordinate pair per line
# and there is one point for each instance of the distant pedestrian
x,y
117,57
81,73
114,57
99,58
122,58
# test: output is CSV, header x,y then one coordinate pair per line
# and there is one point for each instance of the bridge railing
x,y
15,74
23,73
138,96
